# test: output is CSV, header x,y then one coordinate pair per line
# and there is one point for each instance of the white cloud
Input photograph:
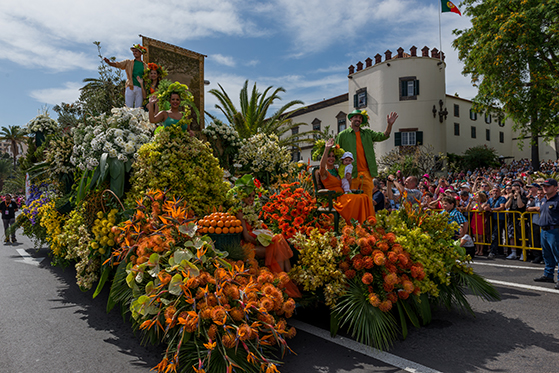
x,y
222,60
53,96
45,34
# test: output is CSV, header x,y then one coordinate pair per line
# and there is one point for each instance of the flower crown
x,y
318,151
160,70
139,47
365,116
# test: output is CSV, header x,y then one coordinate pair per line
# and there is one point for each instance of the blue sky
x,y
304,46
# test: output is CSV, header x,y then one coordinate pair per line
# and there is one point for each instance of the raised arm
x,y
327,148
390,119
155,118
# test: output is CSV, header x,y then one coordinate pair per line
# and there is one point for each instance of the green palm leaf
x,y
367,324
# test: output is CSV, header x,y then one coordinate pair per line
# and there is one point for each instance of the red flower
x,y
367,278
257,183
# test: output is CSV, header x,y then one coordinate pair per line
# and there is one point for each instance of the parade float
x,y
147,214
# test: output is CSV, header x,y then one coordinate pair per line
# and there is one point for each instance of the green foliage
x,y
253,117
15,136
101,94
480,156
456,162
366,323
182,164
415,162
511,54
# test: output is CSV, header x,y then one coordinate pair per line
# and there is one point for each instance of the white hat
x,y
347,154
466,185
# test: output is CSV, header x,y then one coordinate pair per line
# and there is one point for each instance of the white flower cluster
x,y
227,134
119,135
262,152
41,123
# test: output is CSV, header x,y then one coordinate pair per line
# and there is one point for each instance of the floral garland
x,y
262,154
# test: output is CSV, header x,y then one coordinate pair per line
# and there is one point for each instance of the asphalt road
x,y
48,325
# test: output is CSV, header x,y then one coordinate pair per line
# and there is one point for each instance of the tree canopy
x,y
253,116
512,54
15,136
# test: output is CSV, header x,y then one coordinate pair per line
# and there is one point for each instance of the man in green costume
x,y
134,69
360,142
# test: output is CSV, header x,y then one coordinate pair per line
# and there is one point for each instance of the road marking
x,y
28,259
506,266
529,287
385,357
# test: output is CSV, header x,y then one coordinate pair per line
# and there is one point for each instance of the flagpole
x,y
440,33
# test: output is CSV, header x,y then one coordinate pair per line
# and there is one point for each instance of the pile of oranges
x,y
219,223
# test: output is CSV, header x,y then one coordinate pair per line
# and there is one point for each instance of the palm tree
x,y
16,136
5,170
253,117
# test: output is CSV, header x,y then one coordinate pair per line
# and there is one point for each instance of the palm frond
x,y
367,324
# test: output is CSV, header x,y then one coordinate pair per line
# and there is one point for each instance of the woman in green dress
x,y
168,117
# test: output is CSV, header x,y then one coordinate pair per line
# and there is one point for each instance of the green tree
x,y
15,136
103,93
512,54
253,116
480,156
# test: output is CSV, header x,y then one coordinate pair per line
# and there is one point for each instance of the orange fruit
x,y
238,229
213,223
218,230
220,223
227,223
204,230
225,230
211,230
237,223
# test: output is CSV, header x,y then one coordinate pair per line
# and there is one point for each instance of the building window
x,y
341,120
473,132
456,110
360,98
501,136
487,118
501,122
473,115
488,134
409,88
295,130
456,129
316,124
408,138
296,156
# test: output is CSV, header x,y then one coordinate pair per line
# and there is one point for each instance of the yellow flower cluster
x,y
76,238
319,255
102,229
53,222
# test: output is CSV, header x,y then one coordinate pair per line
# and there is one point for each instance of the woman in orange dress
x,y
273,248
349,206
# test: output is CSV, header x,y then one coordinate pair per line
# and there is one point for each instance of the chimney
x,y
425,51
378,58
359,66
413,51
387,55
351,69
442,53
368,62
400,52
435,53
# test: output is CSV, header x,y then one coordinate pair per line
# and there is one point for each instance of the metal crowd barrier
x,y
512,229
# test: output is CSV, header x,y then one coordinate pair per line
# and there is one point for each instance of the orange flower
x,y
374,300
385,306
367,278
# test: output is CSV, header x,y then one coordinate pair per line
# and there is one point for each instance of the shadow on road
x,y
93,311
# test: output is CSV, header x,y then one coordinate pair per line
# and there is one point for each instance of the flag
x,y
448,6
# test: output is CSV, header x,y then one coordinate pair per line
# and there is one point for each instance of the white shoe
x,y
512,256
521,257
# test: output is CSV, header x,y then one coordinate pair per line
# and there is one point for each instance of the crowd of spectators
x,y
487,204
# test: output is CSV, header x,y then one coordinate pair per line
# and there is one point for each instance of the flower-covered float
x,y
138,219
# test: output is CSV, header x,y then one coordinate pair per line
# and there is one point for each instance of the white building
x,y
414,86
